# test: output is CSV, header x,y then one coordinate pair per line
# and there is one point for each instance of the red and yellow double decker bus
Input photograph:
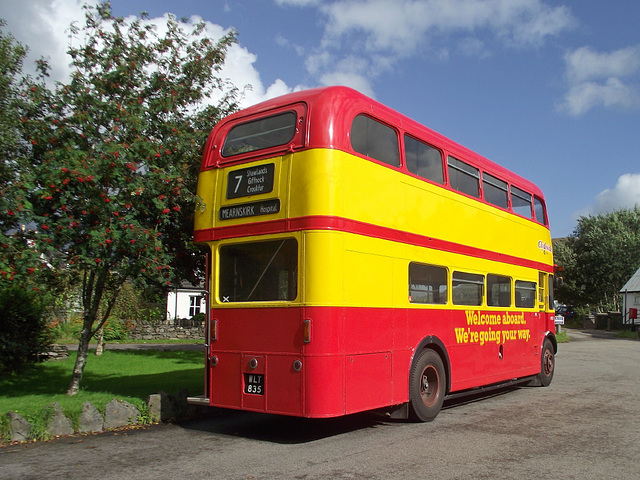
x,y
360,261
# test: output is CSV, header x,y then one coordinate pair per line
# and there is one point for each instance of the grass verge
x,y
130,375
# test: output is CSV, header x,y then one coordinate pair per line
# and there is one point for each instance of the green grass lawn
x,y
126,375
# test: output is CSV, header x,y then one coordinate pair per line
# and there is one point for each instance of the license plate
x,y
254,383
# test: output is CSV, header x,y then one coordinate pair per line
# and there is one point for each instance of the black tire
x,y
547,363
427,385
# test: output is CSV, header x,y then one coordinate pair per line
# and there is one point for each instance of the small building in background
x,y
186,301
631,300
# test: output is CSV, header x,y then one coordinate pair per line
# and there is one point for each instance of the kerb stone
x,y
119,413
20,428
91,420
59,424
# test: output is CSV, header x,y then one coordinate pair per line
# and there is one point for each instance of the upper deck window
x,y
495,190
521,202
423,159
464,178
260,134
539,211
376,140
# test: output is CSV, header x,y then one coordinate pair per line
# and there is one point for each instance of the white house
x,y
631,300
185,301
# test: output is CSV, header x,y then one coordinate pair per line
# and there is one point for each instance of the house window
x,y
195,302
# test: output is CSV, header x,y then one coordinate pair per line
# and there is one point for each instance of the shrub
x,y
115,329
65,331
23,331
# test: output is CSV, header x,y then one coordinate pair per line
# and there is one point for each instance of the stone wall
x,y
160,406
184,329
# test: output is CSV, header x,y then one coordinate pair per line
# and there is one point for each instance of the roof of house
x,y
185,285
633,285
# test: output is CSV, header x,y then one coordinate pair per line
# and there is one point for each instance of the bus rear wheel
x,y
548,363
426,386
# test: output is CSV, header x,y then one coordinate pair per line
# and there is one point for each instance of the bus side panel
x,y
482,354
368,381
324,386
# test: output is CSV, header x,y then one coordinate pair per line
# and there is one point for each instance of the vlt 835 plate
x,y
254,383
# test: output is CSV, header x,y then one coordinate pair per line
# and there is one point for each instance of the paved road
x,y
585,426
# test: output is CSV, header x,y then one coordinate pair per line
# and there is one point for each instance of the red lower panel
x,y
359,358
368,381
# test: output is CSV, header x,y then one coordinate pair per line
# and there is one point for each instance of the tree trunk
x,y
100,342
93,288
81,359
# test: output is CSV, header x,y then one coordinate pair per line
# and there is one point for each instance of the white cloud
x,y
47,35
582,97
598,79
351,72
43,26
400,26
585,64
297,3
382,32
626,194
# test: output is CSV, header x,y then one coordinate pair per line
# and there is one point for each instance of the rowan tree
x,y
115,157
16,261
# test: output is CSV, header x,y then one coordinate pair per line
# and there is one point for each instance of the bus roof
x,y
341,104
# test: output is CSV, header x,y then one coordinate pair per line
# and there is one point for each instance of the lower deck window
x,y
498,291
427,284
525,294
467,288
259,271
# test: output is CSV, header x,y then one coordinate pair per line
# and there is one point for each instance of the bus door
x,y
543,292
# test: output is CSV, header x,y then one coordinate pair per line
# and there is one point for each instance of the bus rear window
x,y
260,134
259,271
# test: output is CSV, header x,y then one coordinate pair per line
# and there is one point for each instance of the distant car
x,y
566,311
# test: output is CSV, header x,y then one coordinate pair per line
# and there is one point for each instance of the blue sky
x,y
548,88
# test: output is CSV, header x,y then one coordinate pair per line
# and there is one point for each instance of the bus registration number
x,y
254,383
